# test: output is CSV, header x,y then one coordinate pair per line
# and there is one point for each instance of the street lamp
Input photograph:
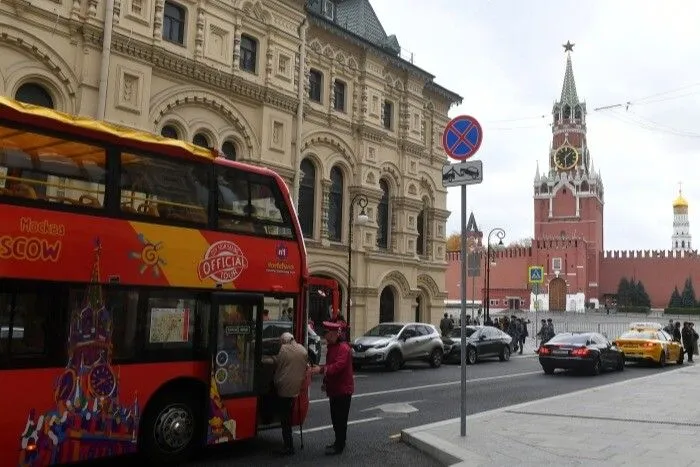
x,y
500,233
362,218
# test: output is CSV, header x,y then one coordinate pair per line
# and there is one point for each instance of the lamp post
x,y
362,218
500,233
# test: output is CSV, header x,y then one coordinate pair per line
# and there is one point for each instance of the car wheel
x,y
621,363
394,361
548,370
662,359
471,355
505,354
595,369
436,358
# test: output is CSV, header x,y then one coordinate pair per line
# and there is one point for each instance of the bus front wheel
x,y
172,430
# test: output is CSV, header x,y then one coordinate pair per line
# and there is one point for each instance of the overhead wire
x,y
614,111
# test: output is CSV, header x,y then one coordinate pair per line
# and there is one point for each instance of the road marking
x,y
436,385
352,422
396,436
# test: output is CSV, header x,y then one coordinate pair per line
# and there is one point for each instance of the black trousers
x,y
284,408
340,410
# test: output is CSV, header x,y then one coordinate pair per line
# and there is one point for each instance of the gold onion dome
x,y
680,202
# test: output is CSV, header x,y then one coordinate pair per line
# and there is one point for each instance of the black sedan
x,y
587,351
482,342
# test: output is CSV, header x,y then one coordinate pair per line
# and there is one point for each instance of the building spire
x,y
568,90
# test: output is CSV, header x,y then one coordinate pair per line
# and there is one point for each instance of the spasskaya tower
x,y
568,196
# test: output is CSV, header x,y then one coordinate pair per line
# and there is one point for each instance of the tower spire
x,y
568,89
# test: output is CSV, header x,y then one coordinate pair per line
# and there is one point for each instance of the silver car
x,y
393,344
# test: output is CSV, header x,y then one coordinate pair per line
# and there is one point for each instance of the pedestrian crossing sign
x,y
535,274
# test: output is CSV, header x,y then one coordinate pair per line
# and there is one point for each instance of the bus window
x,y
172,190
170,321
48,168
250,202
122,308
23,324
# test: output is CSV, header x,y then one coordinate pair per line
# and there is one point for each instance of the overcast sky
x,y
505,58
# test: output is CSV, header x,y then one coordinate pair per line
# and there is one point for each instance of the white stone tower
x,y
681,225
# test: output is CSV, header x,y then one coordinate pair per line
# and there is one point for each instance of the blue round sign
x,y
462,137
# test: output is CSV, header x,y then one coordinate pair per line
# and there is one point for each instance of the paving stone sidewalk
x,y
647,421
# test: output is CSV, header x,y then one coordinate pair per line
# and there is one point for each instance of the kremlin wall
x,y
659,270
568,240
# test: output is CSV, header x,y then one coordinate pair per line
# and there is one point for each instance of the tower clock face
x,y
566,158
102,381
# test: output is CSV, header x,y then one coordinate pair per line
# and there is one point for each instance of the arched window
x,y
386,305
169,131
420,242
200,139
383,216
577,112
335,205
36,94
567,112
229,150
307,197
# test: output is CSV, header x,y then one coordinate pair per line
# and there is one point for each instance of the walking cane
x,y
301,425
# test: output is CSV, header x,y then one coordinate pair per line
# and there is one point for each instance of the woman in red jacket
x,y
338,383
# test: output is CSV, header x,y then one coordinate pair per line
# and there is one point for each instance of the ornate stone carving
x,y
329,139
394,174
325,206
92,8
207,99
257,11
199,36
399,280
158,20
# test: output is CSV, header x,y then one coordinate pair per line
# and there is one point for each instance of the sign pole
x,y
463,319
461,140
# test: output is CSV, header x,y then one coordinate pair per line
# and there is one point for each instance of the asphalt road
x,y
386,403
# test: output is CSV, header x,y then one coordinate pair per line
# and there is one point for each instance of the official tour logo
x,y
223,262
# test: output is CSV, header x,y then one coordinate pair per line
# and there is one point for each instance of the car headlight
x,y
381,346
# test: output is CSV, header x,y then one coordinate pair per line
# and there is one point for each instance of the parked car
x,y
482,342
393,344
273,329
648,342
587,351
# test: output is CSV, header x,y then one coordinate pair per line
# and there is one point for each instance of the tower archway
x,y
557,294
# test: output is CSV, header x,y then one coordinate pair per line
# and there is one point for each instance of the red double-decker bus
x,y
136,275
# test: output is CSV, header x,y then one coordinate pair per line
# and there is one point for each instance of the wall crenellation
x,y
649,254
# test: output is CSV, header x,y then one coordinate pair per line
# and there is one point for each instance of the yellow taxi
x,y
648,342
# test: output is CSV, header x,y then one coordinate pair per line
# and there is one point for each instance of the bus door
x,y
236,357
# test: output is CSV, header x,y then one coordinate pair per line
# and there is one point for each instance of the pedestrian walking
x,y
338,383
290,366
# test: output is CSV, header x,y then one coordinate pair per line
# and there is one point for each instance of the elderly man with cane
x,y
290,364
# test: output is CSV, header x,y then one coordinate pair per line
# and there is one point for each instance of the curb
x,y
449,453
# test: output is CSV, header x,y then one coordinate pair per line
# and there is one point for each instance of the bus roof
x,y
96,130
